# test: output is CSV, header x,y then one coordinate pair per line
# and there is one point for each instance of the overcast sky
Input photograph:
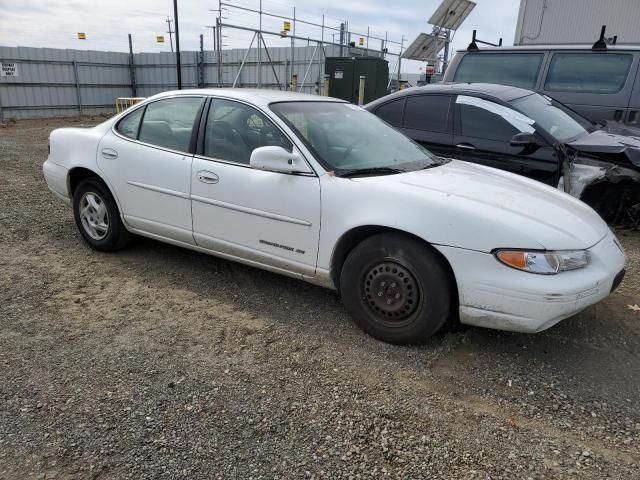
x,y
55,23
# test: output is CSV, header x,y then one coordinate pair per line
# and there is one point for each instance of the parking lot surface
x,y
157,362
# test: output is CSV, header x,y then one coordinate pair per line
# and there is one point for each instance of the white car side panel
x,y
272,217
152,185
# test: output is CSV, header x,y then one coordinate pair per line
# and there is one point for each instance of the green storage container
x,y
344,77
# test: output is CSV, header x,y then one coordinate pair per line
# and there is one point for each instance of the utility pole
x,y
170,32
178,66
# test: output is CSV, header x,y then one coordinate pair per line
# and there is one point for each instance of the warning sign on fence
x,y
8,69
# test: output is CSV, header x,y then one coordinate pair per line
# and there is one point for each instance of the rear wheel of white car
x,y
396,288
97,216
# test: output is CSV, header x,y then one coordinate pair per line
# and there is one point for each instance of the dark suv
x,y
523,132
600,82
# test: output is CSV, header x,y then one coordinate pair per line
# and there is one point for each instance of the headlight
x,y
544,263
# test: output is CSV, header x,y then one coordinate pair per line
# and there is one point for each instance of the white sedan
x,y
321,190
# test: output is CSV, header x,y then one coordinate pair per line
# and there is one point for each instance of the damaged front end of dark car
x,y
603,170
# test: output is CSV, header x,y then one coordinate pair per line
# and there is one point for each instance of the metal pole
x,y
293,50
325,89
361,90
178,65
260,47
201,63
78,96
400,60
219,45
170,32
132,69
244,60
273,68
445,63
367,49
304,79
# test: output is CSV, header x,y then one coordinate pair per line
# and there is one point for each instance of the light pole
x,y
175,19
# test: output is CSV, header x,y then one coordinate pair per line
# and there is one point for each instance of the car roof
x,y
516,48
505,93
252,95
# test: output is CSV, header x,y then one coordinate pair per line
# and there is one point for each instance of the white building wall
x,y
577,21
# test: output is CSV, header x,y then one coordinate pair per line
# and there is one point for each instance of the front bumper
x,y
56,178
495,296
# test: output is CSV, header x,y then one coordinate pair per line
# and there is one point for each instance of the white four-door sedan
x,y
321,190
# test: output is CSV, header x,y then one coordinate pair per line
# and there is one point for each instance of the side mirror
x,y
524,139
277,159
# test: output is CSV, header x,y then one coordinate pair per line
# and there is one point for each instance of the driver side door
x,y
262,217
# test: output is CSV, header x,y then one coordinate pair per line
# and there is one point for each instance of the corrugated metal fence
x,y
54,82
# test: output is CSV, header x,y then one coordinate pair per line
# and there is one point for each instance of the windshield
x,y
346,138
563,124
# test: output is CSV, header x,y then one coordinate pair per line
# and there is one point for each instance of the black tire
x,y
397,288
115,236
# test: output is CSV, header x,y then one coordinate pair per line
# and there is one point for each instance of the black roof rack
x,y
473,46
601,44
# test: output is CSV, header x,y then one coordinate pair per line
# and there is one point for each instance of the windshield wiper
x,y
369,171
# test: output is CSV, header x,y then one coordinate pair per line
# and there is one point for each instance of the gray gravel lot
x,y
158,362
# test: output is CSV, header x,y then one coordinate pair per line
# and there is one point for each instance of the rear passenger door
x,y
147,160
483,134
597,85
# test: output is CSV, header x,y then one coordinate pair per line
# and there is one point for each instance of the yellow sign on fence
x,y
82,36
159,38
361,41
287,26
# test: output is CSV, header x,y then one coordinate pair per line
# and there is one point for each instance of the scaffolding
x,y
290,73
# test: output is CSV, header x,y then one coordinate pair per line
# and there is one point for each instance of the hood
x,y
482,208
623,149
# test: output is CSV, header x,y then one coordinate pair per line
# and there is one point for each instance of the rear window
x,y
427,112
517,69
588,72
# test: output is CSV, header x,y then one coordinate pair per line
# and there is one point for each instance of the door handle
x,y
207,177
465,146
109,153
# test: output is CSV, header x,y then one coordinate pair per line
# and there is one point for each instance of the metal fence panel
x,y
46,82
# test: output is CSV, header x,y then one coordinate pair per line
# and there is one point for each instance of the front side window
x,y
480,118
588,72
234,130
130,124
391,112
168,123
427,112
516,69
345,138
563,124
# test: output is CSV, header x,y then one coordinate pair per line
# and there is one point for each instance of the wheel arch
x,y
352,238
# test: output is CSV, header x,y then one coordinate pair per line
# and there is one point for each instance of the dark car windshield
x,y
347,138
560,122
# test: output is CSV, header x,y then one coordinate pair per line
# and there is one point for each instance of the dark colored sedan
x,y
527,133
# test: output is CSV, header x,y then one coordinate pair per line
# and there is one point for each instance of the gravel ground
x,y
158,362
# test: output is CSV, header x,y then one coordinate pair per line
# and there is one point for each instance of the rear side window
x,y
130,124
427,112
168,123
517,69
391,112
588,72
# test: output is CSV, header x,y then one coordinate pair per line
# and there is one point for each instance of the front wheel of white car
x,y
396,288
97,216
